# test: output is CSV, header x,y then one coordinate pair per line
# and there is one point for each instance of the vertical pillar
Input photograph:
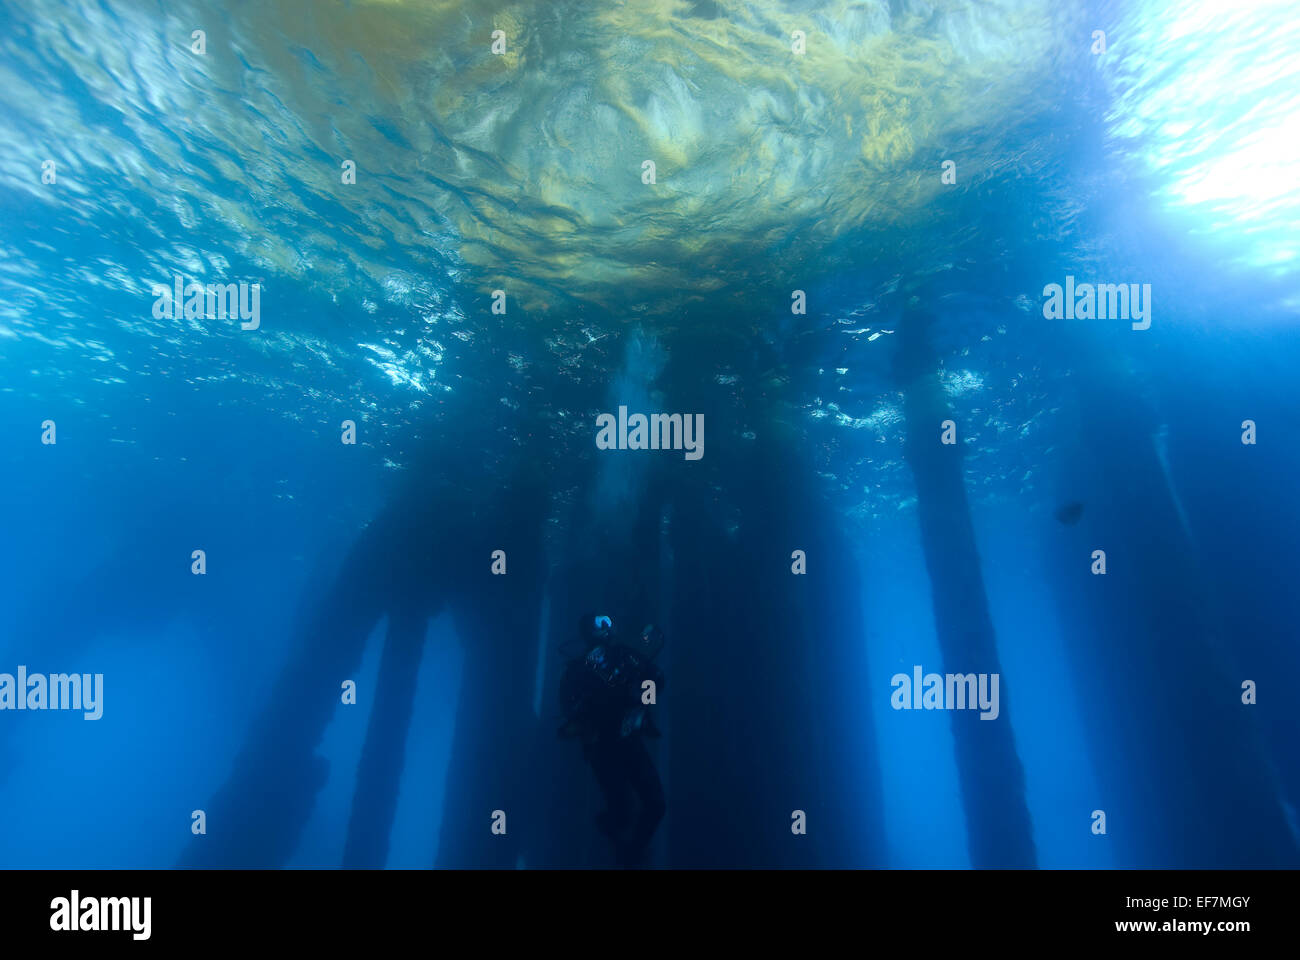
x,y
999,831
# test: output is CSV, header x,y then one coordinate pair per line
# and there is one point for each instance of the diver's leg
x,y
644,781
609,766
384,754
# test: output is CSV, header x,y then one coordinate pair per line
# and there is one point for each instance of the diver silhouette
x,y
601,697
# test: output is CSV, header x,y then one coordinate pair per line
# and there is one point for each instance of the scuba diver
x,y
601,695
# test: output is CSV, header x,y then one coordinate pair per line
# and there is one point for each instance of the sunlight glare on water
x,y
1210,90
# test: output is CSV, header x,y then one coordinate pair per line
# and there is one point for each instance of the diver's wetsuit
x,y
601,697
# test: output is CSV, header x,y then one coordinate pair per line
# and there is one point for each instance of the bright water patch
x,y
1207,95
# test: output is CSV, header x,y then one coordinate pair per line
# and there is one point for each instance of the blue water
x,y
1167,159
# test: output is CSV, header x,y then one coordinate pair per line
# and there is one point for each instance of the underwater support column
x,y
773,759
999,830
379,774
492,767
767,677
261,808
